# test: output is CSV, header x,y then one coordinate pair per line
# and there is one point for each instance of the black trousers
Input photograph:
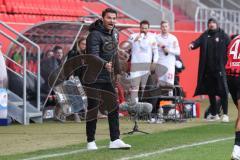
x,y
102,96
215,85
234,88
214,106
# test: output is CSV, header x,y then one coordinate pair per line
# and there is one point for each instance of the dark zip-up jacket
x,y
103,44
221,41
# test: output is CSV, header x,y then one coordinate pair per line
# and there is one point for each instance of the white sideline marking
x,y
60,154
175,148
135,156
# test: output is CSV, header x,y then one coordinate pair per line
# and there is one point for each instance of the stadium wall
x,y
188,78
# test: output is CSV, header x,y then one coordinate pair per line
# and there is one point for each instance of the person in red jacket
x,y
233,77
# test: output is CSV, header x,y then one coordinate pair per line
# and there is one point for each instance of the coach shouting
x,y
102,42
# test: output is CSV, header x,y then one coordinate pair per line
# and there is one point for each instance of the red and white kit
x,y
170,42
233,64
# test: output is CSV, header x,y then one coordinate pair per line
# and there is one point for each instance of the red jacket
x,y
233,63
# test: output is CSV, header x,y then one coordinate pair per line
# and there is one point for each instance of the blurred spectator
x,y
49,54
124,51
58,54
144,50
82,45
49,68
50,65
32,62
79,49
18,58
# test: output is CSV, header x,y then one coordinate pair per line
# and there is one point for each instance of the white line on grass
x,y
175,148
134,156
60,154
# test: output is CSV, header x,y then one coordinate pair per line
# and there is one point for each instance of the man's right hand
x,y
190,47
138,37
108,66
160,45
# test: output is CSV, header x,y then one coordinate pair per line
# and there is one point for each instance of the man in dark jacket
x,y
211,73
102,42
50,67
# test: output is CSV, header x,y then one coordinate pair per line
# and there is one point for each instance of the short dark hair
x,y
144,22
56,48
163,22
108,10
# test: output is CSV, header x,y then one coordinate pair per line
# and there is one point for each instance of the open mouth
x,y
111,25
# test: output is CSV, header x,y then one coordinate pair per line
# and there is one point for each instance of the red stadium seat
x,y
4,17
9,8
19,3
3,8
20,18
12,18
96,7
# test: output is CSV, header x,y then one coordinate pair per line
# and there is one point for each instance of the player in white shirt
x,y
144,53
168,49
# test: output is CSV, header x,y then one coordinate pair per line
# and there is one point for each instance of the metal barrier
x,y
229,20
167,11
38,60
169,2
24,75
17,64
120,11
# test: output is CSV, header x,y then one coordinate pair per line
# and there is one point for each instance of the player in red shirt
x,y
233,75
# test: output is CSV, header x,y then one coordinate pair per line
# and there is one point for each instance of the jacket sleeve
x,y
93,45
197,42
71,54
117,69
